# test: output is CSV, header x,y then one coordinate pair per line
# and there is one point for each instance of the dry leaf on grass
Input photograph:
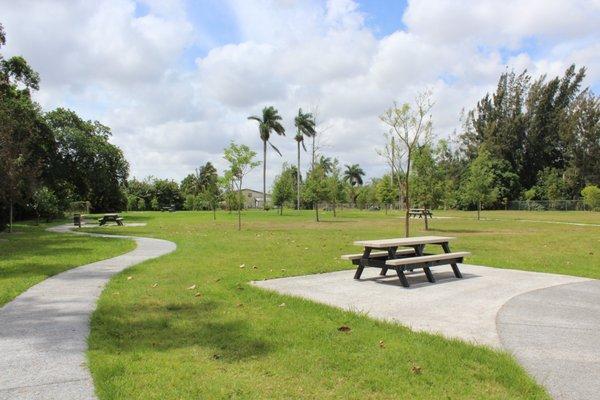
x,y
243,266
155,285
198,294
192,287
416,369
129,278
281,305
382,344
344,328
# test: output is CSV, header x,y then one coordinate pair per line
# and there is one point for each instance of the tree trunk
x,y
478,209
385,206
426,223
298,179
214,213
312,165
10,217
317,211
334,215
264,174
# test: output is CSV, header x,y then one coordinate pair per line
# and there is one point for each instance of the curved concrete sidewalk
x,y
554,333
43,332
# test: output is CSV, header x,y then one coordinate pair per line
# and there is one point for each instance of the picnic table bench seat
x,y
426,262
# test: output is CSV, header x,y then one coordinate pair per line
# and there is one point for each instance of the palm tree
x,y
267,124
353,174
326,164
305,125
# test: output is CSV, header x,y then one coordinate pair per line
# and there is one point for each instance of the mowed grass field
x,y
189,326
31,254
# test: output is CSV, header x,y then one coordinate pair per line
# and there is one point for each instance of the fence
x,y
548,205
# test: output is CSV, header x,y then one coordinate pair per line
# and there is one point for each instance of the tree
x,y
305,127
409,125
45,204
591,197
336,186
385,192
479,185
241,162
353,175
427,183
167,193
268,123
315,189
283,188
393,156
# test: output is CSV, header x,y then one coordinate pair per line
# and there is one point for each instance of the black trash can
x,y
77,220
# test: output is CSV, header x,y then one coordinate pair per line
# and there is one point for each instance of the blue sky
x,y
176,79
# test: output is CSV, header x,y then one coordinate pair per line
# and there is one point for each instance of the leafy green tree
x,y
167,193
315,188
305,127
591,197
154,204
241,162
141,205
336,186
267,123
283,188
385,192
479,186
353,176
45,204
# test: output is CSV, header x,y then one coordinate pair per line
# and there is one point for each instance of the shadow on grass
x,y
164,327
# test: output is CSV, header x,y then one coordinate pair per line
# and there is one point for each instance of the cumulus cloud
x,y
136,67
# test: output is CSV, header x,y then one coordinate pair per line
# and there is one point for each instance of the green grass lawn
x,y
188,325
31,254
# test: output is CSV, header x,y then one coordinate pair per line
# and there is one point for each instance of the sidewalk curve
x,y
43,332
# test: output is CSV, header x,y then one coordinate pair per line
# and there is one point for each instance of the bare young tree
x,y
410,125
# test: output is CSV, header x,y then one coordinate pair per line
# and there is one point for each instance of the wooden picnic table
x,y
114,217
420,212
411,257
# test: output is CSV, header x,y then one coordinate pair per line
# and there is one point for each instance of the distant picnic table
x,y
409,257
112,217
420,212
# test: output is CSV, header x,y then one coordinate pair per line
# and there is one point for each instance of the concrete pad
x,y
456,308
43,332
553,333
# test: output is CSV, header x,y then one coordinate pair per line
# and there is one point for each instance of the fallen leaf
x,y
282,269
217,280
344,328
216,356
282,305
198,294
243,266
382,344
192,287
129,278
155,285
254,267
306,248
415,369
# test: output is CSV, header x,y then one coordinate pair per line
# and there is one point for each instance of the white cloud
x,y
109,61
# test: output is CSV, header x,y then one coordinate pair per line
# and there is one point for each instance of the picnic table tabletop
x,y
111,215
397,242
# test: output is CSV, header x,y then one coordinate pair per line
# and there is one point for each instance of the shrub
x,y
591,197
45,203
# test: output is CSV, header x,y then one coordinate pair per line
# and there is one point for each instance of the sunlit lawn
x,y
154,337
31,254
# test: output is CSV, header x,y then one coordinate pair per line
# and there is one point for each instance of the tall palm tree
x,y
305,126
353,174
268,123
326,164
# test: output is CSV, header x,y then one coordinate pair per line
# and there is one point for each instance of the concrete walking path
x,y
43,332
549,322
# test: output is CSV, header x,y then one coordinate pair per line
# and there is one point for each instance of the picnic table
x,y
420,212
405,254
112,217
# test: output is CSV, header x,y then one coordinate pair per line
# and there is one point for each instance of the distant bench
x,y
407,259
110,217
420,212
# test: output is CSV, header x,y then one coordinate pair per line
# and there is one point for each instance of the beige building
x,y
254,198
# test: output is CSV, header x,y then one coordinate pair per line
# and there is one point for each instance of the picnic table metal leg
x,y
429,275
362,262
402,277
391,255
454,266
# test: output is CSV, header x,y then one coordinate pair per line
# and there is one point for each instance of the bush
x,y
141,204
45,204
154,205
591,197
